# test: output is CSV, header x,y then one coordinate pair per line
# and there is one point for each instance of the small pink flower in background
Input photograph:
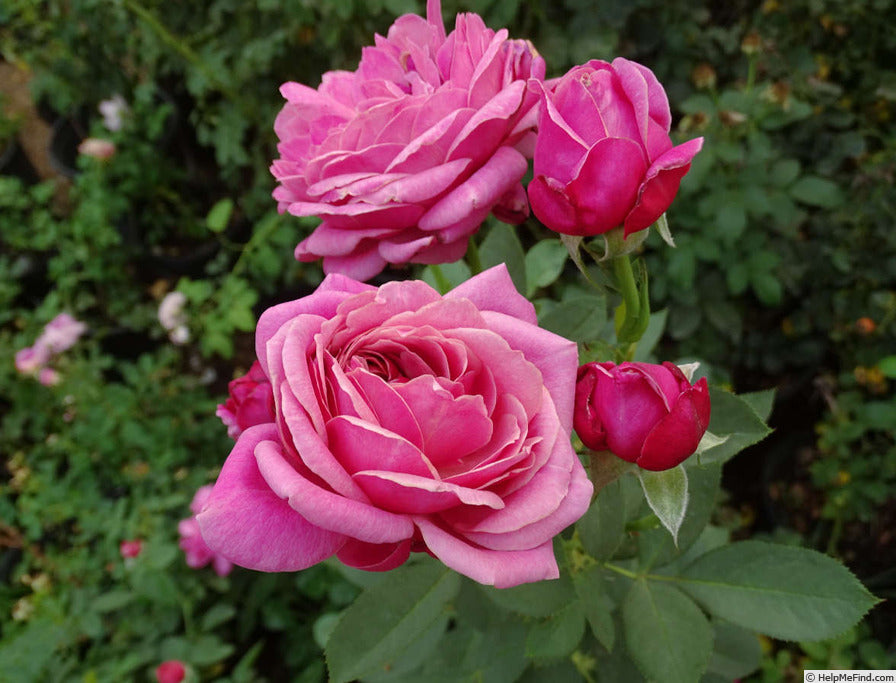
x,y
31,359
251,402
404,157
113,112
48,377
61,333
406,421
198,554
603,157
58,335
130,549
172,671
97,148
647,414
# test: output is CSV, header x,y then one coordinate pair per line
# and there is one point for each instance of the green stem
x,y
473,259
631,300
441,280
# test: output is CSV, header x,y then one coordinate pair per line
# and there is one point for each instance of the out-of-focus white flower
x,y
113,112
179,335
171,311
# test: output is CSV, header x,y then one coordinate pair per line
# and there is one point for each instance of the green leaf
x,y
598,606
502,245
662,227
602,528
219,215
887,366
666,634
736,652
656,547
784,172
544,262
448,276
217,615
557,635
735,420
816,191
113,600
539,599
667,495
783,591
580,318
387,619
761,402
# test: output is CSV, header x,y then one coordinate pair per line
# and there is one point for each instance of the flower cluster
x,y
59,335
381,421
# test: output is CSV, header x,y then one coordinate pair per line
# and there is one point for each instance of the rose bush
x,y
251,402
406,421
603,157
647,414
406,156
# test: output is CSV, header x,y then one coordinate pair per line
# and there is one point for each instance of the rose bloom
x,y
130,549
31,359
251,402
61,333
647,414
198,554
172,671
404,157
406,421
603,157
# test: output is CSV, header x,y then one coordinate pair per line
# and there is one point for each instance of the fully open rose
x,y
406,421
404,157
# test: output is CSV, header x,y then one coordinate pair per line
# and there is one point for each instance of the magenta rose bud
x,y
603,157
404,157
197,553
172,671
251,402
647,414
130,549
406,421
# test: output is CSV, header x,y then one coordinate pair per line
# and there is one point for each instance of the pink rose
x,y
31,359
130,549
406,421
172,671
647,414
251,402
603,157
61,333
404,157
198,554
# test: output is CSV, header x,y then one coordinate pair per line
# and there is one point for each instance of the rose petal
x,y
502,569
324,508
248,523
410,494
374,557
677,435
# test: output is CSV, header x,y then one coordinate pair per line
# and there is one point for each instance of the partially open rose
x,y
406,421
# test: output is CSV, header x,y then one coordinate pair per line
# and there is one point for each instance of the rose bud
x,y
603,157
251,402
172,671
130,549
647,414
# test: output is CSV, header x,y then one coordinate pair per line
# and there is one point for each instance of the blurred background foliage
x,y
784,276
